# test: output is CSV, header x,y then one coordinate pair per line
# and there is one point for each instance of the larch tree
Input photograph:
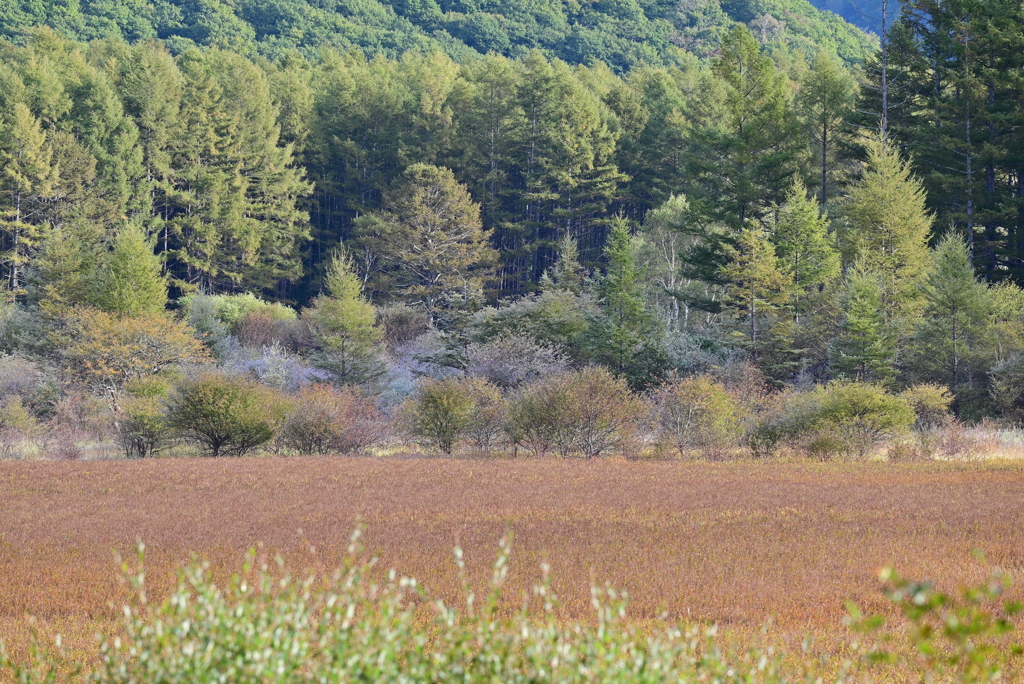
x,y
802,242
26,177
885,222
865,349
826,100
758,288
343,324
953,331
131,283
427,245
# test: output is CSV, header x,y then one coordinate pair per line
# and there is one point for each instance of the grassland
x,y
740,544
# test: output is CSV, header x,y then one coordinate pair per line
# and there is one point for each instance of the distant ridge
x,y
621,33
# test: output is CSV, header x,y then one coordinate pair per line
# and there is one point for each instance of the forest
x,y
175,218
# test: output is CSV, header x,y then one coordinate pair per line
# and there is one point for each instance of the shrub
x,y
490,411
696,415
510,362
590,411
842,418
142,427
445,411
325,420
227,416
930,403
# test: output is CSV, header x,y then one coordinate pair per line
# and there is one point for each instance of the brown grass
x,y
734,543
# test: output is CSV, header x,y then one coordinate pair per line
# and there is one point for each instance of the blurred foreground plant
x,y
963,638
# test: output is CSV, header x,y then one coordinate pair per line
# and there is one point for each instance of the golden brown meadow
x,y
740,544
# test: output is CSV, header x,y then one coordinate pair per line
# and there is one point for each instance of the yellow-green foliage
x,y
696,415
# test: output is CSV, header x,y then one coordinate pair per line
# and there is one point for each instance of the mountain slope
x,y
621,33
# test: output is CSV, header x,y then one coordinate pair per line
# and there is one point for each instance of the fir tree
x,y
567,275
343,323
625,337
865,349
131,283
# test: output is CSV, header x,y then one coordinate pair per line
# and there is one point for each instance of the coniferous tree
x,y
567,275
758,289
130,283
802,241
27,176
625,337
427,246
887,225
343,323
865,349
826,102
744,146
951,337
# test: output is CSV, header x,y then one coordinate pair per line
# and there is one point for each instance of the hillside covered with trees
x,y
372,222
621,33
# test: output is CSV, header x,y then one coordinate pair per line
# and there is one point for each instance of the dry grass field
x,y
740,544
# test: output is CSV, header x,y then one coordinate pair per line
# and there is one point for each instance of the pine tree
x,y
865,349
343,323
758,288
802,242
886,223
953,331
131,283
26,177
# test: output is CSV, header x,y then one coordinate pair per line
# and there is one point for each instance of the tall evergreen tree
x,y
343,323
953,332
886,224
625,337
865,349
130,283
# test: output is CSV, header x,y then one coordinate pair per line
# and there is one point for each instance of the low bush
x,y
226,416
326,420
696,415
842,419
445,411
589,411
142,429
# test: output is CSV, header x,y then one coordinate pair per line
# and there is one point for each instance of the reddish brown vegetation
x,y
736,543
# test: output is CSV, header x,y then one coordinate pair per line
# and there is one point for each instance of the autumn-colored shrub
x,y
446,411
142,426
696,415
226,416
842,419
930,403
107,351
326,420
589,411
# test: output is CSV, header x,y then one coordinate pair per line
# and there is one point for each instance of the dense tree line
x,y
370,221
